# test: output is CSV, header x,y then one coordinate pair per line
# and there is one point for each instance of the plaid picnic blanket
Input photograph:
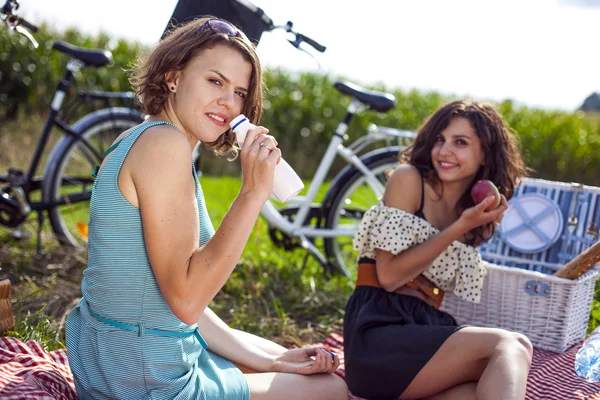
x,y
551,377
28,372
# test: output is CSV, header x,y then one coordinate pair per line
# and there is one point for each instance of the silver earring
x,y
172,88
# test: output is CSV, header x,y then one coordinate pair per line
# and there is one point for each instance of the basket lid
x,y
532,223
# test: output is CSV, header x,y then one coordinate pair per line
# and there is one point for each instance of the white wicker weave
x,y
552,321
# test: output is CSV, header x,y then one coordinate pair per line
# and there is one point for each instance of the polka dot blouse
x,y
459,268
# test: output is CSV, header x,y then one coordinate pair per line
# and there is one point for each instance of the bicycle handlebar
x,y
9,7
303,38
14,22
300,37
27,24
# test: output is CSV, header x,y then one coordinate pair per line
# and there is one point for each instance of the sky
x,y
538,53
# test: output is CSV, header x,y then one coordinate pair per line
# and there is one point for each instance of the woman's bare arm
x,y
403,191
189,277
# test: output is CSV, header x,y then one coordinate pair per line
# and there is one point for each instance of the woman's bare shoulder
x,y
403,189
162,154
162,142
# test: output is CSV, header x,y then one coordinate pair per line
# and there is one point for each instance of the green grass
x,y
595,311
274,292
283,295
38,327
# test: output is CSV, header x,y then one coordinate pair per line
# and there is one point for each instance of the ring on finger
x,y
266,147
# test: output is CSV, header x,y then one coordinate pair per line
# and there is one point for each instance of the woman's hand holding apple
x,y
483,189
489,210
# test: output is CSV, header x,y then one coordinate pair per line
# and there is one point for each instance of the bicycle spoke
x,y
84,158
347,212
73,181
86,153
76,218
77,181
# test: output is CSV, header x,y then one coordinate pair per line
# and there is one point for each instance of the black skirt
x,y
388,339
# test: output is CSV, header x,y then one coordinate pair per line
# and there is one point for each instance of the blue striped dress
x,y
118,284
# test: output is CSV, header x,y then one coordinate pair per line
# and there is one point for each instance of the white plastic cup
x,y
286,183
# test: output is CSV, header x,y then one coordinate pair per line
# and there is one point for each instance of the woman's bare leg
x,y
275,386
464,391
498,360
271,385
266,386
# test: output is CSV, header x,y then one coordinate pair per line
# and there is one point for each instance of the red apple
x,y
483,189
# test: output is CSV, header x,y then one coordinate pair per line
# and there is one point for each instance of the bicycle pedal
x,y
19,235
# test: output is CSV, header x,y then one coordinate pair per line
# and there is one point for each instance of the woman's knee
x,y
517,344
525,346
336,388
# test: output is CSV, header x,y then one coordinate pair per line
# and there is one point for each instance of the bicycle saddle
x,y
378,101
90,57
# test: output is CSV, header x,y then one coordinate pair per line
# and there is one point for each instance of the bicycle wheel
x,y
67,178
351,200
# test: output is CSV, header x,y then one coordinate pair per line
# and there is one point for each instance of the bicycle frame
x,y
335,147
29,182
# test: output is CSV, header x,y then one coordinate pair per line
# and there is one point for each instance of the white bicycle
x,y
326,229
356,188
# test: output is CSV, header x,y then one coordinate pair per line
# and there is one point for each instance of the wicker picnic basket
x,y
547,225
579,207
552,312
7,321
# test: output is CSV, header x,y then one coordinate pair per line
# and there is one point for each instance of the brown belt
x,y
421,287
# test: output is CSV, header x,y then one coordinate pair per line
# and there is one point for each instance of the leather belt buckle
x,y
428,288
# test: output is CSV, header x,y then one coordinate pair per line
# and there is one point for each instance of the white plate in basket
x,y
532,223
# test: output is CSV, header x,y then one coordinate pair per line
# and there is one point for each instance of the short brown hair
x,y
174,52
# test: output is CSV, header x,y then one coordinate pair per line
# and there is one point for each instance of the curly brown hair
x,y
174,52
503,166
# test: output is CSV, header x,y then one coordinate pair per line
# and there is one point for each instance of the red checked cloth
x,y
552,376
27,371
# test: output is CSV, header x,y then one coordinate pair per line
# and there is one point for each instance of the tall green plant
x,y
302,109
28,76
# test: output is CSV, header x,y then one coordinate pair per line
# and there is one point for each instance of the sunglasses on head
x,y
220,26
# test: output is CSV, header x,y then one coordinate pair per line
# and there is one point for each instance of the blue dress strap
x,y
107,152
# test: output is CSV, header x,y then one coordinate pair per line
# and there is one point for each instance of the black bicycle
x,y
64,189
